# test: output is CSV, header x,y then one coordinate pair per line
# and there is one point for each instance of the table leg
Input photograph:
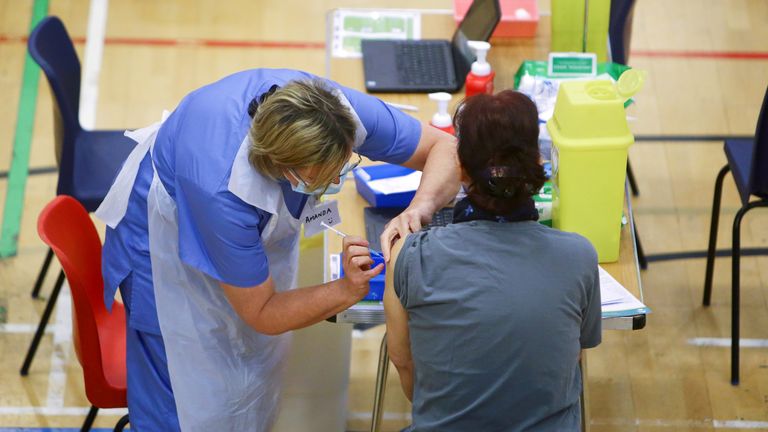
x,y
584,392
381,386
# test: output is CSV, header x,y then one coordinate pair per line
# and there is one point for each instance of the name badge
x,y
313,218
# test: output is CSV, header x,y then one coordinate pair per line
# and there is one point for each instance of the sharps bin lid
x,y
594,109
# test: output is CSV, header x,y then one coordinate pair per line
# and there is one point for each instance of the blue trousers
x,y
151,405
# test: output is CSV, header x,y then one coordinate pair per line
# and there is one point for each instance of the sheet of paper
x,y
392,185
616,299
349,27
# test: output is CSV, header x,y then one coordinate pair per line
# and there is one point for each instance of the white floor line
x,y
726,342
23,328
62,341
94,48
366,415
59,411
682,423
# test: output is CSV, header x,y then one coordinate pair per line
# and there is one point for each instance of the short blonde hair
x,y
302,124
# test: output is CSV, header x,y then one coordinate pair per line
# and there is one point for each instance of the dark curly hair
x,y
498,149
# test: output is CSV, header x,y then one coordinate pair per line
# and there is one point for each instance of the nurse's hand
x,y
357,266
409,221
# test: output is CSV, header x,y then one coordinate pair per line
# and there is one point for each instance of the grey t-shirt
x,y
497,314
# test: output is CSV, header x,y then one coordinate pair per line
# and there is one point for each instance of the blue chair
x,y
620,29
748,160
88,160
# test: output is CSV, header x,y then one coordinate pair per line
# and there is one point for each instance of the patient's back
x,y
498,313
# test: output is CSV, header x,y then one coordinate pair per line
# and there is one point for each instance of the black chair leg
x,y
89,419
121,423
632,183
735,288
43,272
713,235
43,323
640,254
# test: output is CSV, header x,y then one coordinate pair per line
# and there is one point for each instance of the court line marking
x,y
59,411
222,43
733,55
22,328
660,423
726,342
682,423
62,341
211,43
94,49
22,141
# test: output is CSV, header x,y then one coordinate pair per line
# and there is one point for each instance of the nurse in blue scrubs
x,y
203,228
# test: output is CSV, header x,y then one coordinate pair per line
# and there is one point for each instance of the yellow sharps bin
x,y
590,139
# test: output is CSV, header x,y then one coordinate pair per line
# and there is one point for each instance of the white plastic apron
x,y
224,375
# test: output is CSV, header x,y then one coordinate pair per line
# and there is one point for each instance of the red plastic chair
x,y
99,336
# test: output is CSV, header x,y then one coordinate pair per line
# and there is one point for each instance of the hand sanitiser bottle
x,y
441,119
480,78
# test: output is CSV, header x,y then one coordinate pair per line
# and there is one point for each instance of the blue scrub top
x,y
219,234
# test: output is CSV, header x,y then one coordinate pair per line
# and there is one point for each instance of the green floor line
x,y
22,140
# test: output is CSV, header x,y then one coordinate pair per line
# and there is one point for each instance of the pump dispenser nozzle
x,y
480,67
441,119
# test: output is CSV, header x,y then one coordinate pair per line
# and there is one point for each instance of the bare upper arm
x,y
398,338
430,136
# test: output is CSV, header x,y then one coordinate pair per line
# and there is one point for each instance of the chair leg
x,y
735,288
713,235
43,272
43,323
640,254
381,386
89,419
121,423
632,183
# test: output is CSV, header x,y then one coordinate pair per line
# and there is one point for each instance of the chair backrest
x,y
51,47
98,334
618,29
759,181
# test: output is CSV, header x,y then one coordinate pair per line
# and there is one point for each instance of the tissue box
x,y
519,18
365,175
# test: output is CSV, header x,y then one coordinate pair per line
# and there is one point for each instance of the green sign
x,y
572,64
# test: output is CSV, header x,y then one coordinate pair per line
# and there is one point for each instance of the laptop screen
x,y
478,24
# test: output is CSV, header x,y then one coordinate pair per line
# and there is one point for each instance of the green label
x,y
572,65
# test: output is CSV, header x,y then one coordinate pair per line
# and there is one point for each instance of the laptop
x,y
428,65
376,218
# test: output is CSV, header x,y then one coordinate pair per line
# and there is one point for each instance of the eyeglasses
x,y
343,173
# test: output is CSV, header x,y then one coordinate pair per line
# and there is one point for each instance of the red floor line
x,y
739,55
221,43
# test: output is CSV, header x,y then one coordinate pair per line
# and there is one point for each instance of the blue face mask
x,y
333,188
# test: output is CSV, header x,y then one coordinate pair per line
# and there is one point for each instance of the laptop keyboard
x,y
377,218
422,63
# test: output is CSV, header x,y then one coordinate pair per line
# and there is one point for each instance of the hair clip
x,y
498,172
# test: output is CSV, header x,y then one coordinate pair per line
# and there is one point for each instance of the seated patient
x,y
487,317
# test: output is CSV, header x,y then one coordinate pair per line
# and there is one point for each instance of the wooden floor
x,y
655,379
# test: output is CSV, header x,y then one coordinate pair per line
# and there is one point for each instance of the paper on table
x,y
350,26
391,185
616,300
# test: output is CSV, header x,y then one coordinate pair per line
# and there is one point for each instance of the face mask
x,y
333,188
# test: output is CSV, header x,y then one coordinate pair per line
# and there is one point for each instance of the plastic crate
x,y
376,291
519,18
364,175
